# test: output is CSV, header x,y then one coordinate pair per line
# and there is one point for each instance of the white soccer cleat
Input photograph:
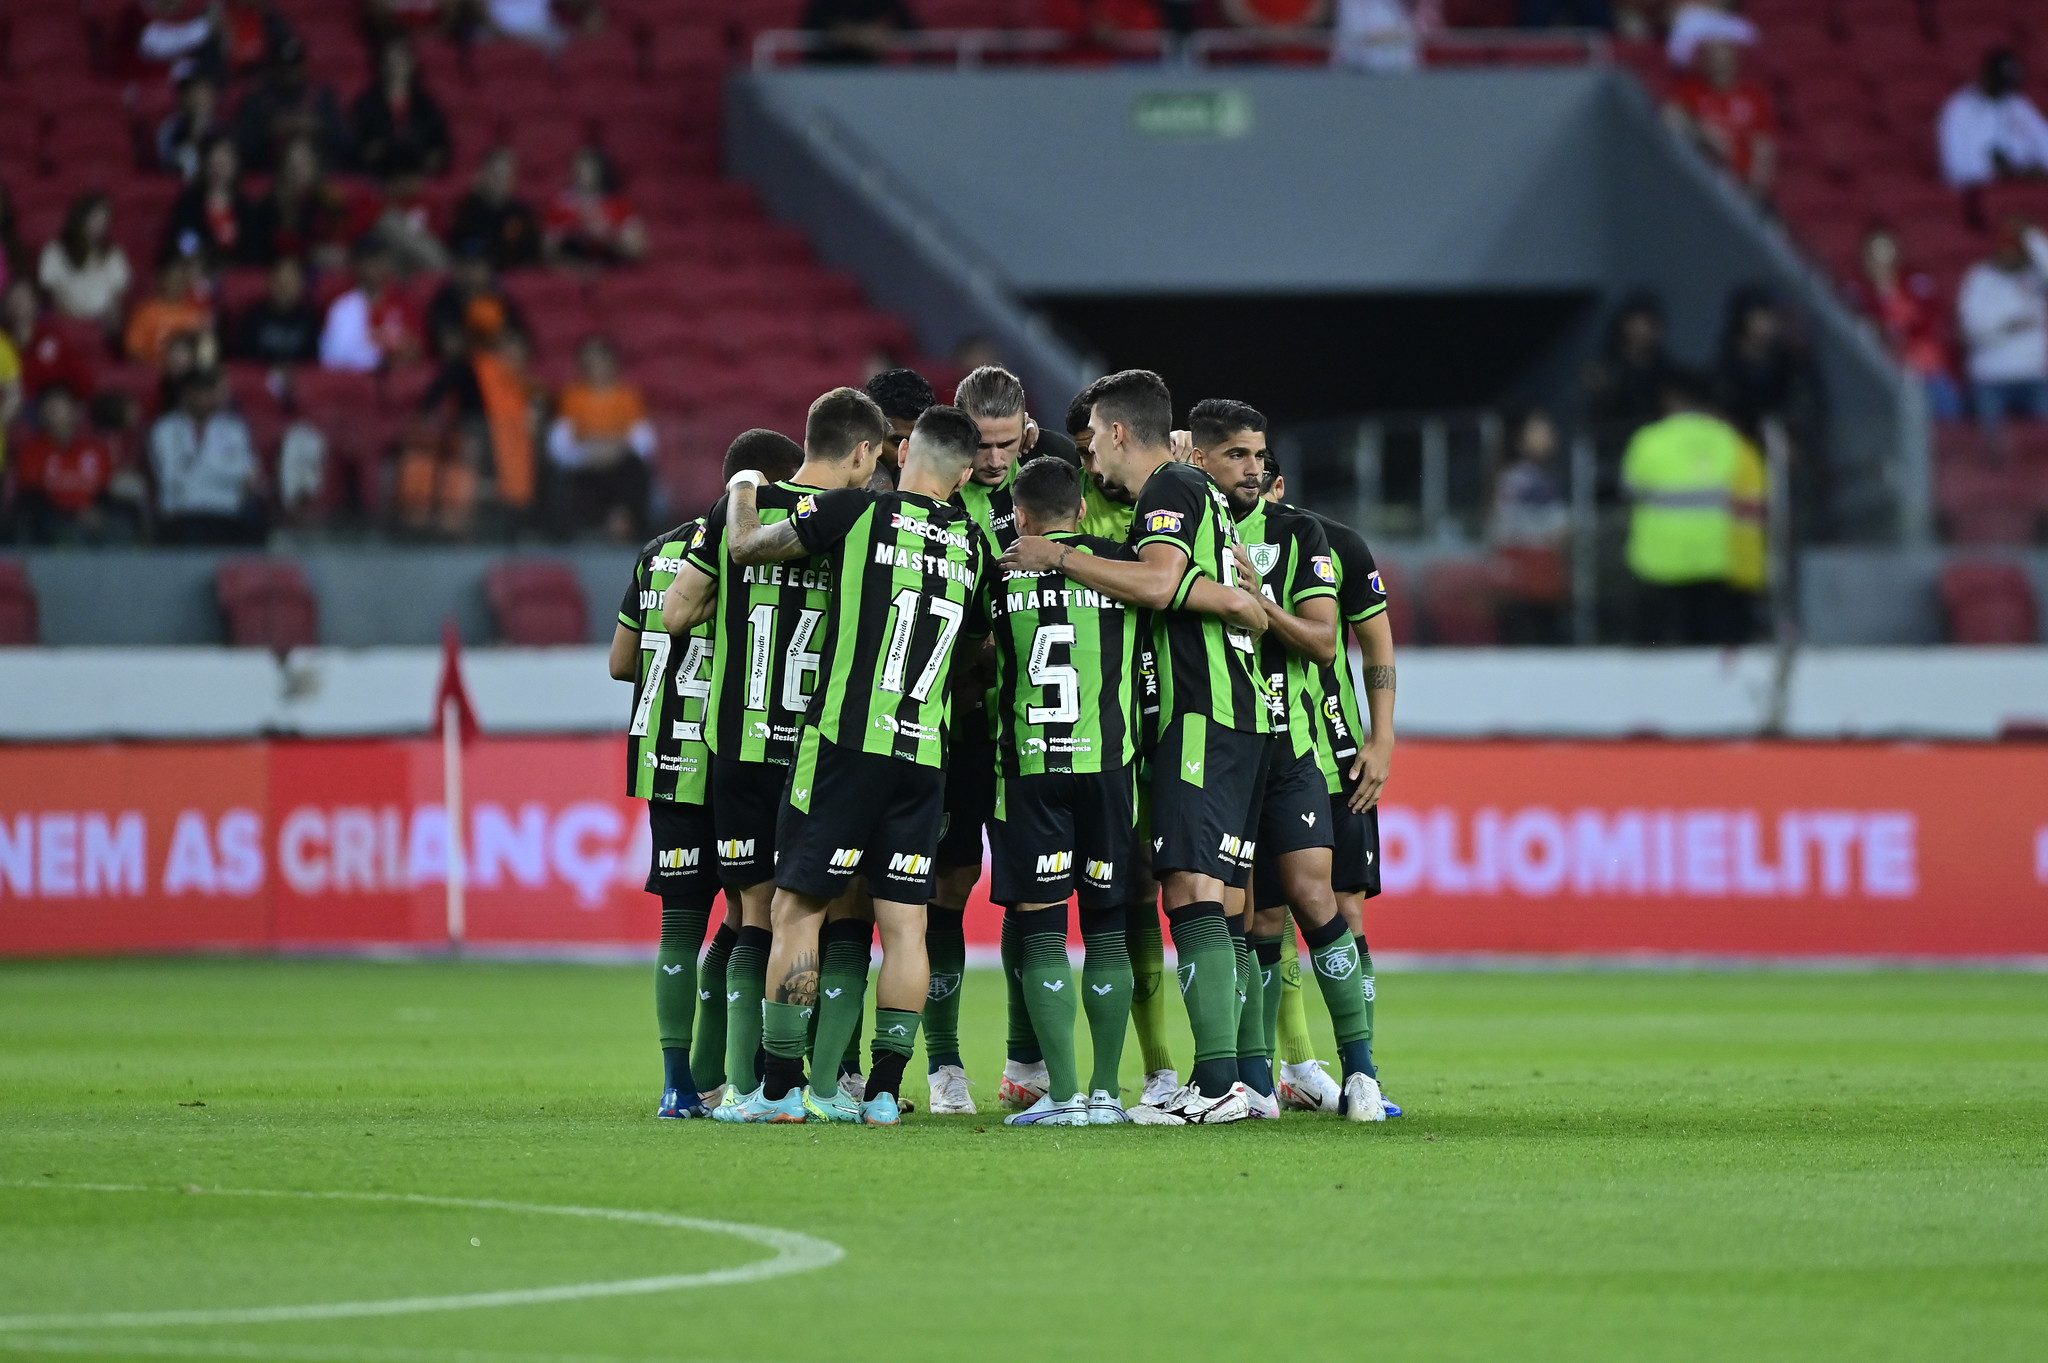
x,y
713,1097
855,1087
1048,1112
1159,1086
1189,1106
949,1092
1263,1106
1023,1084
1362,1099
1106,1109
1308,1087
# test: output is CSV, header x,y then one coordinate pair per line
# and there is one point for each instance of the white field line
x,y
794,1253
131,1345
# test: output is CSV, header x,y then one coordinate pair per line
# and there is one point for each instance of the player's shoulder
x,y
1349,545
684,537
1101,546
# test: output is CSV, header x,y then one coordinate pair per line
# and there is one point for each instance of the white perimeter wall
x,y
71,693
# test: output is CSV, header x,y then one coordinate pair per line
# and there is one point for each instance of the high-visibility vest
x,y
1748,554
1680,473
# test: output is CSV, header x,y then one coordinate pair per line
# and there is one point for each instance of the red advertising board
x,y
1528,848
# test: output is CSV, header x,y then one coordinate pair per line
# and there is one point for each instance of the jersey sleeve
x,y
702,552
822,519
1315,567
1170,511
1103,547
629,605
1360,593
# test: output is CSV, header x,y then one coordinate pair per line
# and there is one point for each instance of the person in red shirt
x,y
1095,28
48,356
62,477
590,220
1906,305
1730,116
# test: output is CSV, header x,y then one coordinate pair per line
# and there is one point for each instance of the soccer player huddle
x,y
1120,652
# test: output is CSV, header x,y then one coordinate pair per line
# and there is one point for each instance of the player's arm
x,y
625,657
1160,578
1375,760
747,540
1308,624
1309,630
689,600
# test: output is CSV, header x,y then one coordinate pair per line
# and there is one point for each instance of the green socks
x,y
1020,1046
945,942
842,996
684,917
1266,965
1371,989
895,1034
1254,1066
1335,957
1148,972
1047,982
1106,992
707,1053
746,980
784,1029
1208,986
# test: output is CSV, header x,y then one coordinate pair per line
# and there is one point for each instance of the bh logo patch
x,y
805,505
1373,580
1162,522
1324,569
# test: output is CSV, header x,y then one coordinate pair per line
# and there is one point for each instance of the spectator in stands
x,y
405,224
399,127
1695,23
83,270
2002,312
492,218
546,22
855,32
208,481
1529,528
13,256
591,220
172,309
1764,369
1566,14
1271,15
1990,130
211,220
286,107
1624,388
252,34
472,303
303,215
1904,304
1681,476
384,20
1377,35
374,324
48,357
600,444
283,327
1729,116
185,354
64,476
477,440
1096,29
182,137
174,36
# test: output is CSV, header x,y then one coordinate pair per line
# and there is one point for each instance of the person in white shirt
x,y
83,270
1377,35
1698,22
1990,130
2002,311
207,477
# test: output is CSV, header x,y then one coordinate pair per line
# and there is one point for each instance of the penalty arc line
x,y
794,1253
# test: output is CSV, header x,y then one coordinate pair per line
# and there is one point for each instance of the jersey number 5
x,y
1058,682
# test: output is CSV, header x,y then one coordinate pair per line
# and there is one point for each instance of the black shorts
x,y
970,790
682,846
746,799
1295,814
1055,833
851,813
1205,799
1355,862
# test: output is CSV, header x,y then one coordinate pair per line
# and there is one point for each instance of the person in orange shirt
x,y
172,310
600,444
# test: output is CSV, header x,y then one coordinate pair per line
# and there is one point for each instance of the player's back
x,y
666,734
770,620
1065,669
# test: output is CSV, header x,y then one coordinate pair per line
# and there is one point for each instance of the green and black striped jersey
x,y
1204,666
770,624
993,510
907,572
1294,563
1360,596
665,741
1101,514
1065,669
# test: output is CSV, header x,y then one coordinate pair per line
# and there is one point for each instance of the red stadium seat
x,y
1989,603
267,603
538,601
19,620
1458,596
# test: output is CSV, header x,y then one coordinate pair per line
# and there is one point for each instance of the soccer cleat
x,y
673,1108
1362,1099
1308,1087
854,1086
1023,1084
880,1110
1105,1109
759,1107
949,1092
714,1096
1048,1112
728,1109
839,1107
1159,1086
1393,1108
1263,1105
1189,1106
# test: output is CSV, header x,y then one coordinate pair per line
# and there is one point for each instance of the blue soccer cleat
x,y
1393,1108
734,1102
880,1110
674,1108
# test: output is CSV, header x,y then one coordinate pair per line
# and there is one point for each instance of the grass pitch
x,y
1769,1166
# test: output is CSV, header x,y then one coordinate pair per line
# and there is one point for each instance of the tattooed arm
x,y
1375,760
751,542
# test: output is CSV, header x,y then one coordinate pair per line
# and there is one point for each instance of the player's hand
x,y
1247,570
1249,614
1370,770
1183,446
1031,554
